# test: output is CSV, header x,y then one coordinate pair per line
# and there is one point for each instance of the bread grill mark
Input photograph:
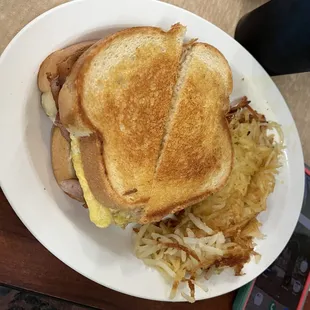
x,y
131,191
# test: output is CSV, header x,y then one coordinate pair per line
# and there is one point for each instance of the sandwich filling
x,y
100,215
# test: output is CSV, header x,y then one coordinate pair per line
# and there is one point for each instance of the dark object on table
x,y
17,299
277,34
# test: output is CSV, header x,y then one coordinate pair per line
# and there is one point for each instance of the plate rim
x,y
2,182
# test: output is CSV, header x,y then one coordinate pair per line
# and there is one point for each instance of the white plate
x,y
62,226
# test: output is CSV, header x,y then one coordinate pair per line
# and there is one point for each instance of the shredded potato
x,y
218,232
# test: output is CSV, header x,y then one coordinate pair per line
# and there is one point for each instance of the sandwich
x,y
141,122
51,76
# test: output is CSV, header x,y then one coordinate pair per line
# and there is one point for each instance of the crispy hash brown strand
x,y
218,232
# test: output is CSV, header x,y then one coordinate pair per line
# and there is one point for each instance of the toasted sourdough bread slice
x,y
60,153
197,155
120,91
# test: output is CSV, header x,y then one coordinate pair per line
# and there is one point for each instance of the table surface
x,y
25,263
